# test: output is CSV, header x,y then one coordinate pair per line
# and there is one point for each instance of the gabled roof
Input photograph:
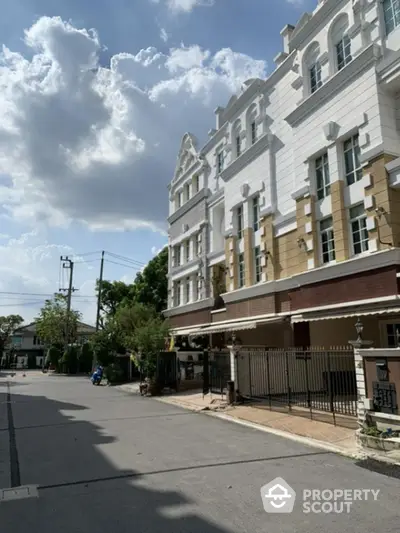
x,y
187,156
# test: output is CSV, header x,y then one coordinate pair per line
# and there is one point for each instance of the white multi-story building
x,y
286,224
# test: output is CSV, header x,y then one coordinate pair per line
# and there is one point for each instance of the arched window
x,y
340,43
237,138
251,125
312,68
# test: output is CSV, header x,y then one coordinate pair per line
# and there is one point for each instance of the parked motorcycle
x,y
97,376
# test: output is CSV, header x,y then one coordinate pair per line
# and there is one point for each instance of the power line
x,y
45,294
137,268
127,259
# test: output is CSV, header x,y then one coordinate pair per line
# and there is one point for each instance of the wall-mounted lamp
x,y
380,212
301,243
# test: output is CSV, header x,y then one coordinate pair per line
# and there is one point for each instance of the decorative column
x,y
359,344
231,263
307,237
340,221
268,247
249,261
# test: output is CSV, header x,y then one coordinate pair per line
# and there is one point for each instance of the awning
x,y
232,326
354,313
185,332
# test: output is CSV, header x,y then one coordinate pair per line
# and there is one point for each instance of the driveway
x,y
106,461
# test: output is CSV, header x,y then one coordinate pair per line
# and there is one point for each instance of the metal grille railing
x,y
315,379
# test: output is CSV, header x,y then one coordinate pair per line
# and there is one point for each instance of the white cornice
x,y
246,157
200,196
189,308
191,170
323,14
334,84
346,268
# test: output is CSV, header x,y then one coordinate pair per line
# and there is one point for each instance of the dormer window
x,y
343,52
253,132
186,192
339,43
315,77
238,145
391,11
220,161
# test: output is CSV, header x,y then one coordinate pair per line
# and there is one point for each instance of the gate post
x,y
360,374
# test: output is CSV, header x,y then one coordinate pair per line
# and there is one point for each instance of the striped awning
x,y
353,313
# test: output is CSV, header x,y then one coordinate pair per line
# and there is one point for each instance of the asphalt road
x,y
105,461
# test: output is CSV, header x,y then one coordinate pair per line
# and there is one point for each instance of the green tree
x,y
147,340
8,325
53,318
149,288
108,342
113,294
151,285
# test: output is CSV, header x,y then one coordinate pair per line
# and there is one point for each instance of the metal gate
x,y
313,379
220,372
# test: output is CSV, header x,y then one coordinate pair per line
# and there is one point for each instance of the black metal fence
x,y
219,372
314,379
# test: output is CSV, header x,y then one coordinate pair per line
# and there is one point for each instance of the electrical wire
x,y
137,268
44,294
127,259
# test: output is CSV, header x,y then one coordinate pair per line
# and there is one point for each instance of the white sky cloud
x,y
98,144
30,273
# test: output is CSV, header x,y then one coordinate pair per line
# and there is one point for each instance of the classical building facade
x,y
285,225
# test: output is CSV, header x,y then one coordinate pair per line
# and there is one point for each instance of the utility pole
x,y
100,286
68,264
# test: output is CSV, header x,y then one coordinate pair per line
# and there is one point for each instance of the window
x,y
392,335
199,288
35,340
198,245
238,145
187,251
177,254
359,232
220,161
322,177
179,199
343,52
240,221
352,164
327,240
256,213
186,192
187,290
391,10
196,184
315,77
178,293
257,260
253,132
241,270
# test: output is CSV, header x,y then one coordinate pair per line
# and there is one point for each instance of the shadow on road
x,y
380,467
80,489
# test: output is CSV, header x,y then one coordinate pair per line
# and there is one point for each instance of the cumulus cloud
x,y
96,143
184,6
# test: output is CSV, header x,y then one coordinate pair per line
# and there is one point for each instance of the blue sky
x,y
88,156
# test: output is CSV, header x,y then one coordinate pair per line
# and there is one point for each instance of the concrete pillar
x,y
360,378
